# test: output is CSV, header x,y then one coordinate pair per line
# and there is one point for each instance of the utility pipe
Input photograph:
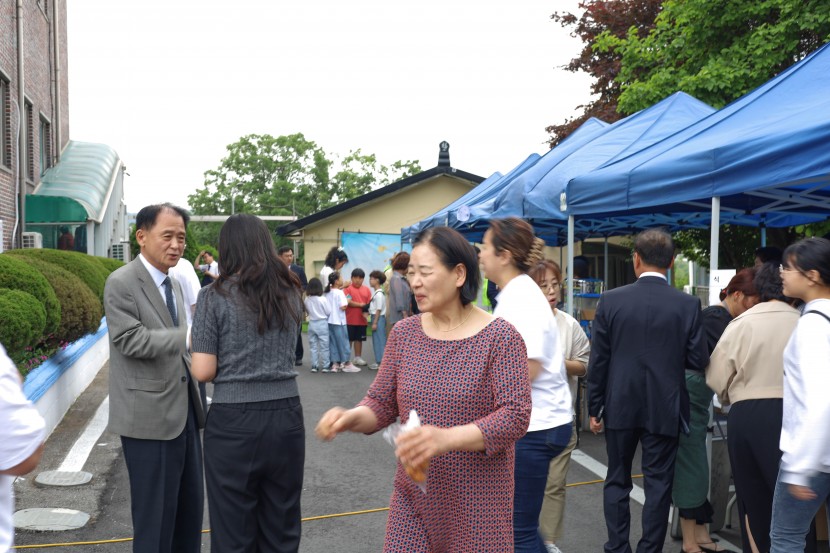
x,y
57,68
21,142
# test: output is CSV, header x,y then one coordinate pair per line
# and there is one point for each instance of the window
x,y
29,162
45,145
5,124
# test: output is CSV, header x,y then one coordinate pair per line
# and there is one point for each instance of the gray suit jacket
x,y
149,361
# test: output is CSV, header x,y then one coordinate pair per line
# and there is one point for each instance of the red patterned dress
x,y
483,379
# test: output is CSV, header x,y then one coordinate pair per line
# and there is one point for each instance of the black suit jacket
x,y
643,338
300,272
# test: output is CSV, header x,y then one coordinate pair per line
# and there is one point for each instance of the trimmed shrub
x,y
22,320
81,311
109,264
84,266
16,274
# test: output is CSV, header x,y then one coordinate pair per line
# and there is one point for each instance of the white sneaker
x,y
551,548
373,367
359,361
349,368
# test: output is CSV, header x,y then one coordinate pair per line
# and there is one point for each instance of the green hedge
x,y
109,264
85,267
81,311
22,320
16,274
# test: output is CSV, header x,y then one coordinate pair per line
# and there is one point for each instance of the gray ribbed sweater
x,y
251,366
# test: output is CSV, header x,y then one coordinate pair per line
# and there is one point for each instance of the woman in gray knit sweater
x,y
243,338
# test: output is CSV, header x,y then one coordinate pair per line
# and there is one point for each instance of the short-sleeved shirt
x,y
362,294
337,299
522,304
575,344
378,303
318,308
21,433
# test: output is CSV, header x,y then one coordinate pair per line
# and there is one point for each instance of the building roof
x,y
78,188
402,184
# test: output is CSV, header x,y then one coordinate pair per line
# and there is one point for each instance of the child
x,y
318,309
358,296
338,339
377,308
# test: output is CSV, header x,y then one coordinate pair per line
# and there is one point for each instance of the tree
x,y
615,17
286,175
715,51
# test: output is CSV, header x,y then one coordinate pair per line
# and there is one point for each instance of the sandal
x,y
712,547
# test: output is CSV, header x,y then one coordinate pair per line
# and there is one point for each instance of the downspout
x,y
57,68
21,142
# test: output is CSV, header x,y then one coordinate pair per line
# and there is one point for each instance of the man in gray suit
x,y
154,403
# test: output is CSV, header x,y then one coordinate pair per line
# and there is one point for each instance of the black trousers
x,y
254,457
298,351
754,433
167,491
658,454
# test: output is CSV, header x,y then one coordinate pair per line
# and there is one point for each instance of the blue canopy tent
x,y
478,202
470,213
535,195
762,160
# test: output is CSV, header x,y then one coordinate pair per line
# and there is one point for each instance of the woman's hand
x,y
417,446
802,493
337,420
332,423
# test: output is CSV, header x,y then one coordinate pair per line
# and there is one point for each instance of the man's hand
x,y
596,425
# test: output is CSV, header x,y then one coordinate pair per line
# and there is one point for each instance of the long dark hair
x,y
250,262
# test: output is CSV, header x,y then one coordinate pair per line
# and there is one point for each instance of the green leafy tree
x,y
616,18
715,51
286,175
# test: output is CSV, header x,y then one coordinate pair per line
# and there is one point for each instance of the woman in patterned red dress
x,y
465,373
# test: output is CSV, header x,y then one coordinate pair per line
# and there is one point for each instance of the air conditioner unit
x,y
32,240
120,251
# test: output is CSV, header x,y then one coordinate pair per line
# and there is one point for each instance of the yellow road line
x,y
306,519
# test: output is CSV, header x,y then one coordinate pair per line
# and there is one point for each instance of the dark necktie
x,y
168,296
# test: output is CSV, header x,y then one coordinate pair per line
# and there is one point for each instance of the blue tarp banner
x,y
369,251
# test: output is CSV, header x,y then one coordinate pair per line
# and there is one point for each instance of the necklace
x,y
470,312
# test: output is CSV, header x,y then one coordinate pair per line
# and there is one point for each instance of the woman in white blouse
x,y
509,250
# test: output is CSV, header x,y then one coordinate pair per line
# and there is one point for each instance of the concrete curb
x,y
55,385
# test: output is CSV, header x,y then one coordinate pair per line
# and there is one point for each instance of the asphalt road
x,y
345,481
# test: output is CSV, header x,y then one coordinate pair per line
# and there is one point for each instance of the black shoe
x,y
298,362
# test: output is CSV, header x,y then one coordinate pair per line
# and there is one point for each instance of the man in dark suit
x,y
645,336
154,403
286,253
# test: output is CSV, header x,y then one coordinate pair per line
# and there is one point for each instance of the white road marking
x,y
77,456
637,493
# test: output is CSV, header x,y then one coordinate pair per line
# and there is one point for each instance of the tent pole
x,y
763,236
715,234
605,263
570,301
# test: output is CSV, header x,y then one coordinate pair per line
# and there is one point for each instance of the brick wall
x,y
38,61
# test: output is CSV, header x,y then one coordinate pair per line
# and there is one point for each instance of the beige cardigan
x,y
748,362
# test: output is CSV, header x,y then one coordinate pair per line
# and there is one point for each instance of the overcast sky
x,y
170,83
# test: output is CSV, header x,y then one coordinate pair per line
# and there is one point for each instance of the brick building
x,y
34,124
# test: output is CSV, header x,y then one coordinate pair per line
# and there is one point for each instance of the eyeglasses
x,y
783,269
554,285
